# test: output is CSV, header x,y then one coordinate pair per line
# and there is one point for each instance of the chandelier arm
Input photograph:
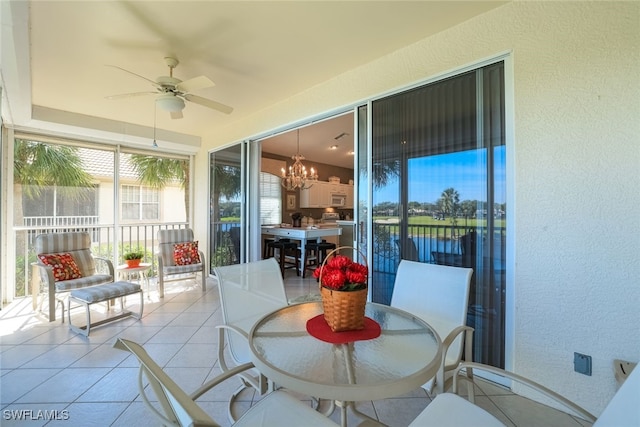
x,y
298,177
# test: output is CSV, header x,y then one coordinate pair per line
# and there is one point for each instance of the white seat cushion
x,y
451,410
279,408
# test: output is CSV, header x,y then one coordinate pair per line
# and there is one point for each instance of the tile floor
x,y
44,367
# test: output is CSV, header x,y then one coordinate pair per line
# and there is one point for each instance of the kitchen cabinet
x,y
316,196
321,193
350,197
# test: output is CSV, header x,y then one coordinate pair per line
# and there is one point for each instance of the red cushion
x,y
64,266
186,253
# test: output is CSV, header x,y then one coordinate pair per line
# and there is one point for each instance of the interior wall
x,y
576,152
273,163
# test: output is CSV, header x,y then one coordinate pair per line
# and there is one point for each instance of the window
x,y
270,199
140,203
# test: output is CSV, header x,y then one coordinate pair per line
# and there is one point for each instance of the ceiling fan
x,y
172,92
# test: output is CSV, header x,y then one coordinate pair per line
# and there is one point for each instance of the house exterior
x,y
573,153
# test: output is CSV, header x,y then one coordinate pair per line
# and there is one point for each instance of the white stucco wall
x,y
575,282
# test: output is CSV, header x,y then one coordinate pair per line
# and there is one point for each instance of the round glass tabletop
x,y
405,355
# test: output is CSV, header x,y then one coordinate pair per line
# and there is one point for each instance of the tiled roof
x,y
99,164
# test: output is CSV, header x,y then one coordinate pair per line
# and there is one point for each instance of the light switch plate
x,y
582,363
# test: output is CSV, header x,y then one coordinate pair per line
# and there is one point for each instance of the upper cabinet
x,y
327,195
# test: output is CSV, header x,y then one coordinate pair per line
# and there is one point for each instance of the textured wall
x,y
575,282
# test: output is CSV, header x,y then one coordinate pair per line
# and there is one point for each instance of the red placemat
x,y
319,328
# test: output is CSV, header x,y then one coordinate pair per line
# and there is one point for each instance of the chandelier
x,y
298,176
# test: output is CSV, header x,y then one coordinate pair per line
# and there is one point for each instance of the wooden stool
x,y
284,245
317,250
266,252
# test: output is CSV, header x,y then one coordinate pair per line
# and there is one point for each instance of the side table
x,y
125,273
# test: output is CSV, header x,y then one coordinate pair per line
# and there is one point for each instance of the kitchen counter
x,y
303,234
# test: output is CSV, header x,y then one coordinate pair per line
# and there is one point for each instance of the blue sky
x,y
429,176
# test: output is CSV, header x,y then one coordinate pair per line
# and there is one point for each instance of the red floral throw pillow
x,y
186,253
64,266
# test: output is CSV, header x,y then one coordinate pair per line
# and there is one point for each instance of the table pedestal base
x,y
344,406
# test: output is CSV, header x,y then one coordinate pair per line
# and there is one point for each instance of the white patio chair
x,y
439,295
247,292
167,266
451,410
278,408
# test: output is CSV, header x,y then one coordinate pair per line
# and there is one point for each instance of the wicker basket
x,y
343,310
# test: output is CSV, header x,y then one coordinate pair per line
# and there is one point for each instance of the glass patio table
x,y
403,357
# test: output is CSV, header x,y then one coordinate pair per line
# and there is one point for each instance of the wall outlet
x,y
622,369
582,363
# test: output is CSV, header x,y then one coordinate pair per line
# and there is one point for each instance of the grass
x,y
443,227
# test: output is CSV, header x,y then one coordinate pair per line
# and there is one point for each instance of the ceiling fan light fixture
x,y
170,103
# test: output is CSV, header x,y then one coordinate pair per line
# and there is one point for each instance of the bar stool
x,y
266,253
284,246
319,251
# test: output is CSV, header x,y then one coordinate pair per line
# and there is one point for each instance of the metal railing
x,y
430,241
106,241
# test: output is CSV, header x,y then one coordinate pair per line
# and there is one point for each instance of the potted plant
x,y
343,287
133,257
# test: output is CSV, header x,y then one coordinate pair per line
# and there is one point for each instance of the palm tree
x,y
226,182
384,172
37,166
450,204
158,172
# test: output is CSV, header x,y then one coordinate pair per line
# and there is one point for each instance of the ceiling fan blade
x,y
209,103
194,84
176,114
130,95
132,73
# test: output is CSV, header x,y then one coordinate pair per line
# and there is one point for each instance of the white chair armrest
x,y
108,263
220,378
48,272
467,346
581,412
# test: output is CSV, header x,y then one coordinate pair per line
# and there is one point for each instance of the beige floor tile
x,y
16,383
118,385
65,386
44,366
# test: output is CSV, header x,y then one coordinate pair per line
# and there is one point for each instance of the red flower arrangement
x,y
340,273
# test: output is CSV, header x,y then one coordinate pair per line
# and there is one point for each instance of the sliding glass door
x,y
226,207
437,175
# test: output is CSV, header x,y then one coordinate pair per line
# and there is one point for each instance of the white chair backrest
x,y
175,403
624,407
247,292
438,294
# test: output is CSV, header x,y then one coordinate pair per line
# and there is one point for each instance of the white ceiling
x,y
257,52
